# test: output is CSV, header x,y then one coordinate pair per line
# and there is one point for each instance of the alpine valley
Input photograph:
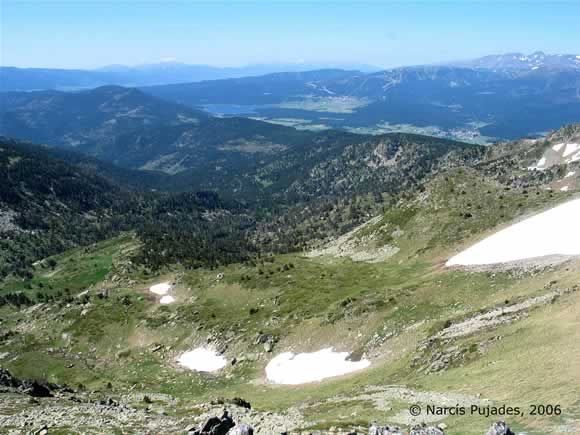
x,y
346,248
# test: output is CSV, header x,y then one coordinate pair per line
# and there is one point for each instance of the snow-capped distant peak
x,y
523,62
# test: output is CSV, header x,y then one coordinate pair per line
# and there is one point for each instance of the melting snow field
x,y
160,289
293,369
166,300
571,148
554,232
202,360
555,155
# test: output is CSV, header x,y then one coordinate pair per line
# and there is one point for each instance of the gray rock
x,y
499,428
7,380
217,426
384,430
242,429
35,389
42,431
426,430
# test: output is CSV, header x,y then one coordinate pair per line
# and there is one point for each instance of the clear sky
x,y
84,34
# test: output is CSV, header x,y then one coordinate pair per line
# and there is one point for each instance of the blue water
x,y
229,109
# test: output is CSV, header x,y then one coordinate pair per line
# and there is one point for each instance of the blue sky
x,y
86,34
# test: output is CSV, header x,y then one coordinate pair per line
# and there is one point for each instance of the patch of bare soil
x,y
357,247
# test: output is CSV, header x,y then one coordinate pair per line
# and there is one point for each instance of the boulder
x,y
222,428
35,389
499,428
42,431
210,424
216,426
238,401
7,380
242,429
263,338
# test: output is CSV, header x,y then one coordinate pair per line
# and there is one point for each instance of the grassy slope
x,y
69,272
310,303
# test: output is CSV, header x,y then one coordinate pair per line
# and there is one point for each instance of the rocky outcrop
x,y
441,351
426,430
222,426
268,341
242,429
236,401
7,380
384,430
33,388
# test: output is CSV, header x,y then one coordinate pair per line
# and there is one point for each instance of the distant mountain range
x,y
30,79
498,97
150,74
134,130
523,62
470,104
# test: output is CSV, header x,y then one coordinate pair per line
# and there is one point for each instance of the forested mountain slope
x,y
238,157
48,205
136,130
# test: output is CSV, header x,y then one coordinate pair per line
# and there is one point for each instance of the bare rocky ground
x,y
45,415
498,316
21,414
31,407
383,398
530,266
357,247
7,224
50,407
441,350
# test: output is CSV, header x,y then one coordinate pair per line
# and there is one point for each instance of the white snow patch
x,y
539,165
574,158
160,289
571,148
293,369
565,189
166,300
558,147
570,174
202,359
554,232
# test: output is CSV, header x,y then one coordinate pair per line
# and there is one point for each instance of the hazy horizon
x,y
329,65
94,34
